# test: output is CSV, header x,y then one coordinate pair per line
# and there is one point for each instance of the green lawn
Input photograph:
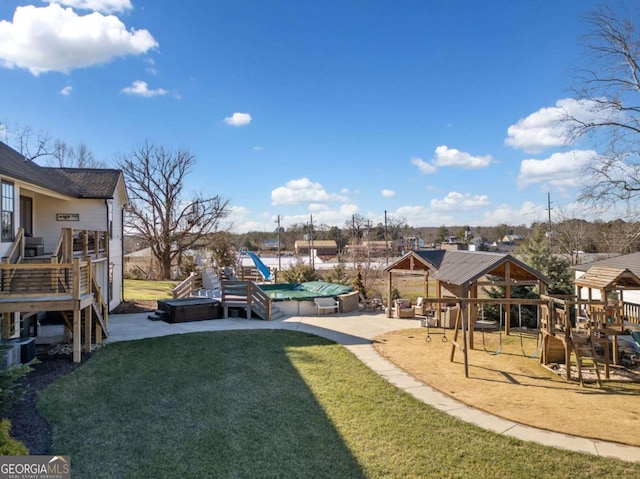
x,y
271,404
141,290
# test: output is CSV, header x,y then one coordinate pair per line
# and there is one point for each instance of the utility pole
x,y
549,212
386,239
368,225
311,255
278,231
353,240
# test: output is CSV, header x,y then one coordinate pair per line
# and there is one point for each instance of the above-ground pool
x,y
297,298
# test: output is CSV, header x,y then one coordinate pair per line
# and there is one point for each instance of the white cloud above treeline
x,y
104,6
53,38
545,128
141,88
455,201
238,119
388,193
303,190
450,157
561,170
446,156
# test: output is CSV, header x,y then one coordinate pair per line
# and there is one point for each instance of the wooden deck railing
x,y
73,243
632,312
44,279
16,252
187,287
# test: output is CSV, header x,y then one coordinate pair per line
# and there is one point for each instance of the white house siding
x,y
115,248
93,215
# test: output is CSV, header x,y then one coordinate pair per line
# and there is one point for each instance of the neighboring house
x,y
512,240
142,264
61,233
324,248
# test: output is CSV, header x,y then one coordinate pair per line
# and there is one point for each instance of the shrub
x,y
10,389
299,273
8,445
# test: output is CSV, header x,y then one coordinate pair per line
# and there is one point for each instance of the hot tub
x,y
189,309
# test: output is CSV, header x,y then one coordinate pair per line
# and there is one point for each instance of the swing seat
x,y
430,321
485,325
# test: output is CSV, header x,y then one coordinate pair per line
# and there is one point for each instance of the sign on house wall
x,y
67,216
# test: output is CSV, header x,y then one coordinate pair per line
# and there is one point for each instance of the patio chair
x,y
377,302
404,308
367,304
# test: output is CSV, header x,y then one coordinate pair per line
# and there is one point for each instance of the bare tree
x,y
569,236
32,145
159,211
620,236
56,153
609,94
65,156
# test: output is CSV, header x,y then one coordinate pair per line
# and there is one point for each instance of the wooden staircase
x,y
59,281
249,296
584,350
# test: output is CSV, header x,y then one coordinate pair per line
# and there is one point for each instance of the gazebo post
x,y
507,294
465,318
389,289
473,313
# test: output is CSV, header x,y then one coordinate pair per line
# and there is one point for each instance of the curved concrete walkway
x,y
356,332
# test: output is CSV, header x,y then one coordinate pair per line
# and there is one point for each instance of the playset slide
x,y
262,268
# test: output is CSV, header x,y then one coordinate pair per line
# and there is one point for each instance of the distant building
x,y
373,249
270,244
324,248
512,240
412,243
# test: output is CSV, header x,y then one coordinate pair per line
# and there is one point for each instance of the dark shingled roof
x,y
75,182
465,267
92,182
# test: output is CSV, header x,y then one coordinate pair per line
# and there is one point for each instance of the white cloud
x,y
528,213
141,88
238,119
446,156
326,216
455,201
388,193
52,38
544,128
560,170
258,148
318,207
104,6
421,215
450,157
303,190
423,166
151,66
66,91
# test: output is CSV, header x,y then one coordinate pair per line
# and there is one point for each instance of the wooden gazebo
x,y
459,275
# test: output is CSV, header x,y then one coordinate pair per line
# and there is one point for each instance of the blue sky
x,y
436,112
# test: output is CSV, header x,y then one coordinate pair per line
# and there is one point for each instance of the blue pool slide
x,y
262,268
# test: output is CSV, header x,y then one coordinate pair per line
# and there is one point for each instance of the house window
x,y
7,209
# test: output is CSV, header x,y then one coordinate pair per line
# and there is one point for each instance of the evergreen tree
x,y
538,254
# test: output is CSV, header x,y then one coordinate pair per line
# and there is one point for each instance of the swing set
x,y
484,322
466,323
